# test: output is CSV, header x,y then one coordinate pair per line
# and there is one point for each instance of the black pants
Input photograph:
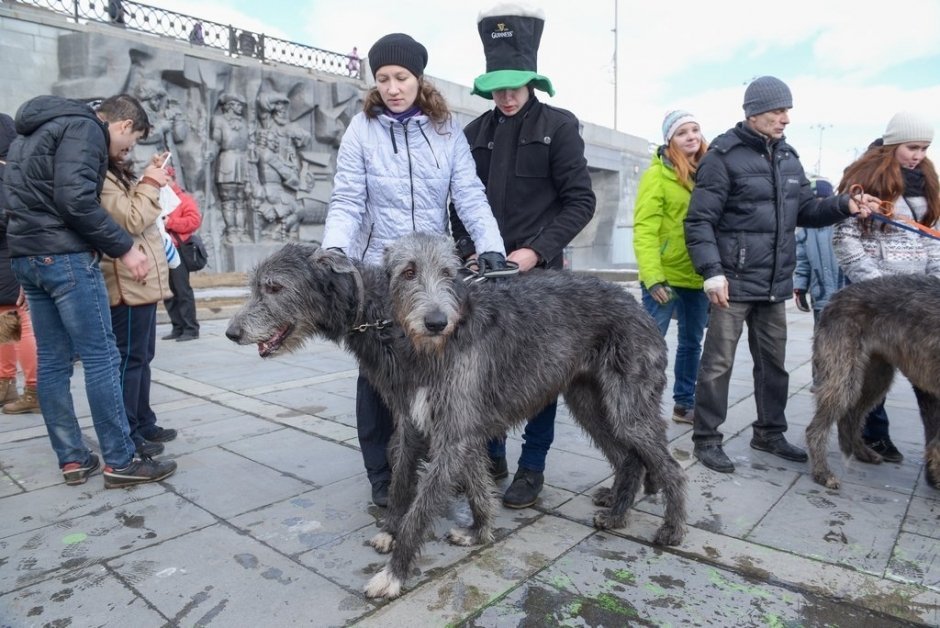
x,y
135,329
375,425
182,307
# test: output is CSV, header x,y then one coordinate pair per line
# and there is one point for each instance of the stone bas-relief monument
x,y
256,146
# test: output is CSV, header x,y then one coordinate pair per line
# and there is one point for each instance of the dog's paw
x,y
669,534
383,542
384,584
826,479
604,496
604,520
867,455
462,537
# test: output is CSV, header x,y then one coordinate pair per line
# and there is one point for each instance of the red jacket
x,y
185,219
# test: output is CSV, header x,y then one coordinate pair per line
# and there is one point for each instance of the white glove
x,y
715,284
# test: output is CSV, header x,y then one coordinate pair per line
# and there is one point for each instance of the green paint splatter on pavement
x,y
610,603
72,539
622,575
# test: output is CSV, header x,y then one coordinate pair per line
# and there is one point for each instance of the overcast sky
x,y
851,65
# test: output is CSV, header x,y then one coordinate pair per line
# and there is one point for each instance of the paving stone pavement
x,y
266,521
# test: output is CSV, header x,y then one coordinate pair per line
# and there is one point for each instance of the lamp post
x,y
614,30
820,128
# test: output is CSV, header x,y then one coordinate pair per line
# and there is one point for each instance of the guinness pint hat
x,y
511,35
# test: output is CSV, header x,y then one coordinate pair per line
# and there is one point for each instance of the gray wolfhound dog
x,y
488,357
868,330
611,366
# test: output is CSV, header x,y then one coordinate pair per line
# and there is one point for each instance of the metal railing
x,y
198,32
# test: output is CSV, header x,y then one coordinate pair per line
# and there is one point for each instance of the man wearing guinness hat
x,y
750,195
530,157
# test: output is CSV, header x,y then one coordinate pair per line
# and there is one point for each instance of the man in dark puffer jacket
x,y
750,195
57,232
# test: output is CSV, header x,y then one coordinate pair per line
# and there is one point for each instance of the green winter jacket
x,y
658,234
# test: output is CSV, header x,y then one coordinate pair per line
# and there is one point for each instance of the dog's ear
x,y
334,260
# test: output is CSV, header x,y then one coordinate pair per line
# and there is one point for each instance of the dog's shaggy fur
x,y
478,360
487,357
866,332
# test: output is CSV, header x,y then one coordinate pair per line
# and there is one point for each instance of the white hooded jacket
x,y
394,178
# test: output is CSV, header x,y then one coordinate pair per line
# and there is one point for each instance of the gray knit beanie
x,y
907,127
766,94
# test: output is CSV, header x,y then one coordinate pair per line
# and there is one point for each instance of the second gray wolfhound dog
x,y
866,332
491,354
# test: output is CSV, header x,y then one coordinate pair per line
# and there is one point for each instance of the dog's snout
x,y
435,321
234,332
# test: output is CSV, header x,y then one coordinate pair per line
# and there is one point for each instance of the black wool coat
x,y
543,196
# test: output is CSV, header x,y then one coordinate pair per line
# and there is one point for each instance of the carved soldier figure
x,y
276,150
230,132
169,126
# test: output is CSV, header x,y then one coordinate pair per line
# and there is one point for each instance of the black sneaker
x,y
779,447
146,448
885,448
713,456
139,471
498,468
187,337
380,493
524,490
77,472
173,335
161,435
681,414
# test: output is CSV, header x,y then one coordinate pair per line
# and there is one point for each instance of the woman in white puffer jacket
x,y
399,163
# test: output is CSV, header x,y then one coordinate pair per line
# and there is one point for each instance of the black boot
x,y
380,493
778,446
885,448
498,468
713,456
524,490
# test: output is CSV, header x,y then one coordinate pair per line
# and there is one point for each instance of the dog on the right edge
x,y
867,332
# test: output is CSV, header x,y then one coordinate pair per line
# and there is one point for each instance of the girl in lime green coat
x,y
670,284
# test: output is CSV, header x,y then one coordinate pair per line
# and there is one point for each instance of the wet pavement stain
x,y
668,582
277,575
248,561
835,536
193,603
35,611
214,612
130,521
748,568
457,596
61,596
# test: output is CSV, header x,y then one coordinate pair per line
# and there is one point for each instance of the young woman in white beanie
x,y
895,168
670,283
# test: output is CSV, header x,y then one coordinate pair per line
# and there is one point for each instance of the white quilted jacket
x,y
393,178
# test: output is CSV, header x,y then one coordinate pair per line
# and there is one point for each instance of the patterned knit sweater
x,y
892,251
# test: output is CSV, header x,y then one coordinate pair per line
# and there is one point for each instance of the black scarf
x,y
913,181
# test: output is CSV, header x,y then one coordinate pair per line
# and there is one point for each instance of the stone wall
x,y
256,142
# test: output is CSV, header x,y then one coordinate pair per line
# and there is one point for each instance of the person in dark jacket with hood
x,y
530,157
750,195
57,233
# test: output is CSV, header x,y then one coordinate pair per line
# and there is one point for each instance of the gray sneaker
x,y
139,471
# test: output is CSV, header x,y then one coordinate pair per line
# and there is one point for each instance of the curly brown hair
x,y
430,101
879,174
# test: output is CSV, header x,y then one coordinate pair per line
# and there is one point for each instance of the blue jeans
x,y
68,303
691,308
374,424
537,439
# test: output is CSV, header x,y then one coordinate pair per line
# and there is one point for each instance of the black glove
x,y
493,264
801,304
